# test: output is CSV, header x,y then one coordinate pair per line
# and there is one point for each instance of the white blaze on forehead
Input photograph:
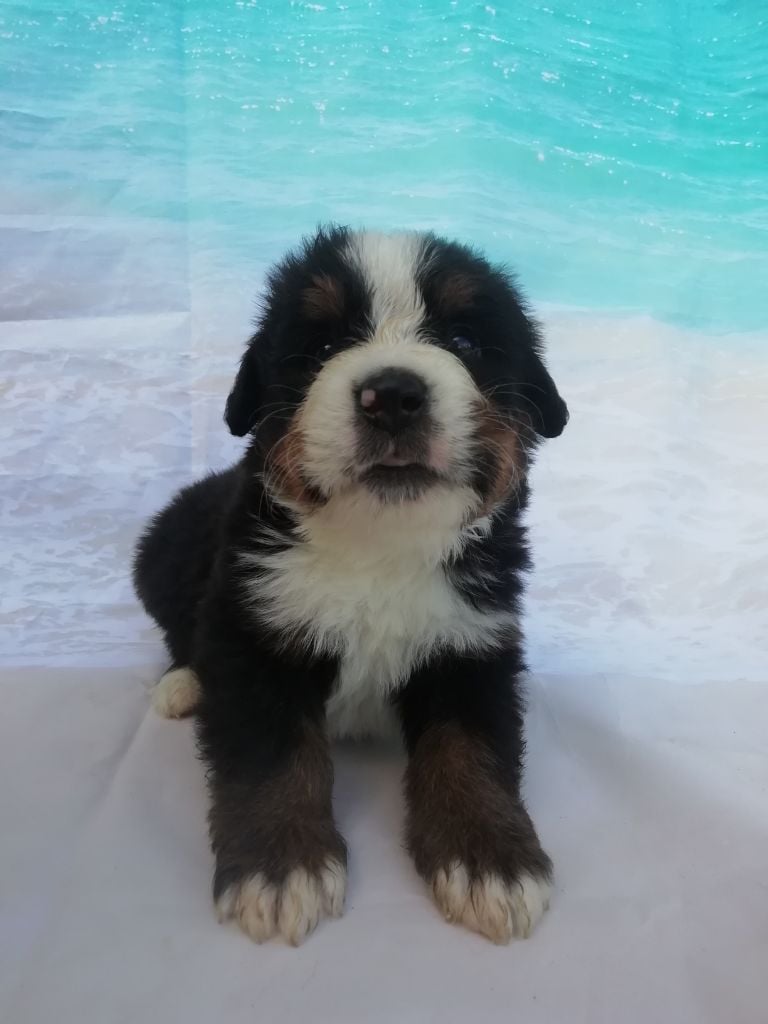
x,y
389,265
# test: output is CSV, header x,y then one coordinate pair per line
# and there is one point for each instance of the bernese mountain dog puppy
x,y
358,572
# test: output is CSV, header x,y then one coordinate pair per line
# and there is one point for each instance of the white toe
x,y
301,904
257,908
529,899
451,889
177,694
334,883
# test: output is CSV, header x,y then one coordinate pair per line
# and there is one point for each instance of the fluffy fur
x,y
359,570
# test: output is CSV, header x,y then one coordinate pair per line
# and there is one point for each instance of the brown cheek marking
x,y
276,824
324,299
285,470
503,443
460,807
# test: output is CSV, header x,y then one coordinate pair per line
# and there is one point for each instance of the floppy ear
x,y
547,411
242,410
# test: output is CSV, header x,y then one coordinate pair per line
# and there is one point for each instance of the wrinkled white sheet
x,y
647,767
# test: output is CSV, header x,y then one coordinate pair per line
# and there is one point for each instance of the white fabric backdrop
x,y
647,768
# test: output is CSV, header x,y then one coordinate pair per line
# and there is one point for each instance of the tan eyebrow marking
x,y
456,292
324,299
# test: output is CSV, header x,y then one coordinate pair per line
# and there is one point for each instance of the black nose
x,y
392,399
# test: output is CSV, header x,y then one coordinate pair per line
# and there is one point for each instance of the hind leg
x,y
171,569
177,693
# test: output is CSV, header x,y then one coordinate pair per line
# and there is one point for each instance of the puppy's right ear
x,y
244,402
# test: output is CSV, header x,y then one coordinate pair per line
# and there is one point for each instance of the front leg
x,y
467,829
280,860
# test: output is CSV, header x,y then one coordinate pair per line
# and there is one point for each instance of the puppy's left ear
x,y
547,411
245,399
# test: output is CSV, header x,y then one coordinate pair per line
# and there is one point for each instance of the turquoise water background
x,y
614,153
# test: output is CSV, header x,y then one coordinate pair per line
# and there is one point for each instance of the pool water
x,y
157,154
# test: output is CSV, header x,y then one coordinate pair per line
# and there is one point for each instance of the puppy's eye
x,y
463,341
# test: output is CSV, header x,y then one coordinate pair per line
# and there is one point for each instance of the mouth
x,y
395,462
399,480
397,469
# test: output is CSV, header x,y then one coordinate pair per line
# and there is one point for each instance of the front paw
x,y
498,908
291,908
471,838
486,871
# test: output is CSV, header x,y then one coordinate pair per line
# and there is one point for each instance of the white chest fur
x,y
368,585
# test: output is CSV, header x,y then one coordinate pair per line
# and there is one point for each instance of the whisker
x,y
302,355
523,398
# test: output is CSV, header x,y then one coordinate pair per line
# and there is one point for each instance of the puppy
x,y
359,571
